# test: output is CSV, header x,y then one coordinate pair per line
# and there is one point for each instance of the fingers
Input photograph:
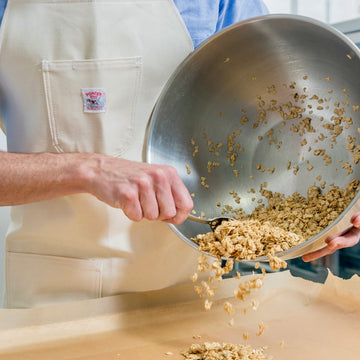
x,y
130,204
318,254
349,239
163,191
182,199
155,193
355,220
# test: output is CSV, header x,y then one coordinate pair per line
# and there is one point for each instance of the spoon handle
x,y
198,219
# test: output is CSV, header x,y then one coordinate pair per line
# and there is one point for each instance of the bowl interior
x,y
272,101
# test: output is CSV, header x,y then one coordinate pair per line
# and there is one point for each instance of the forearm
x,y
141,190
26,178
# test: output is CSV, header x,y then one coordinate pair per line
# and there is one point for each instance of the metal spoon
x,y
213,223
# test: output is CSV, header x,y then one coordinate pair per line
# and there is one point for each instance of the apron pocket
x,y
91,104
38,280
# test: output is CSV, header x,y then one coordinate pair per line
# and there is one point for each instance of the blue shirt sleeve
x,y
203,18
2,9
233,11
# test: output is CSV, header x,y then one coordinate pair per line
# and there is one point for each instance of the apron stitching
x,y
8,287
49,106
89,265
135,98
181,20
121,61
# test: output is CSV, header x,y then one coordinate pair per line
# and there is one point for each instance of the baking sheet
x,y
314,321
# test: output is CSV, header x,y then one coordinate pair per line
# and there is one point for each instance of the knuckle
x,y
168,214
133,216
164,173
160,175
133,211
144,183
188,206
128,196
179,217
185,205
172,171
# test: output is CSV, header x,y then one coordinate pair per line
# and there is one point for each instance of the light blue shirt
x,y
204,18
2,8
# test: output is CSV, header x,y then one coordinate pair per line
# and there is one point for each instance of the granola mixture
x,y
246,239
206,289
217,351
283,223
304,216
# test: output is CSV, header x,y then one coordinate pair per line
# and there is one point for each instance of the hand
x,y
141,190
338,241
153,192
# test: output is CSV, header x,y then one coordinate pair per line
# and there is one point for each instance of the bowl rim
x,y
267,17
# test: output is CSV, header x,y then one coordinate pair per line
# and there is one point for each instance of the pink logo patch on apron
x,y
94,100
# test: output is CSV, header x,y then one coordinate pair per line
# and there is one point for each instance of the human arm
x,y
338,241
141,190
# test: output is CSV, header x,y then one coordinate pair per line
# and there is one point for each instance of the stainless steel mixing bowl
x,y
275,59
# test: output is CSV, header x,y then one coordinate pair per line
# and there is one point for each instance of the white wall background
x,y
330,11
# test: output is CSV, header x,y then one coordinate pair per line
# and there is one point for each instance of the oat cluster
x,y
206,289
224,351
247,239
302,217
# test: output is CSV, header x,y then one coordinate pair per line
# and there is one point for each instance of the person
x,y
78,83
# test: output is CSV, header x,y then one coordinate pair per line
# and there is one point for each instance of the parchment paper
x,y
314,321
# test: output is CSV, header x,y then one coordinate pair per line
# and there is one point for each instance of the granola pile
x,y
224,351
304,216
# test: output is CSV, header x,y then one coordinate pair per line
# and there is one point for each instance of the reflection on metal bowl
x,y
240,84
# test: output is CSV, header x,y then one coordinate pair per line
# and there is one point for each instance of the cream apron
x,y
83,76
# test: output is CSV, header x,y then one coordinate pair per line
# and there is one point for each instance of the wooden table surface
x,y
311,323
